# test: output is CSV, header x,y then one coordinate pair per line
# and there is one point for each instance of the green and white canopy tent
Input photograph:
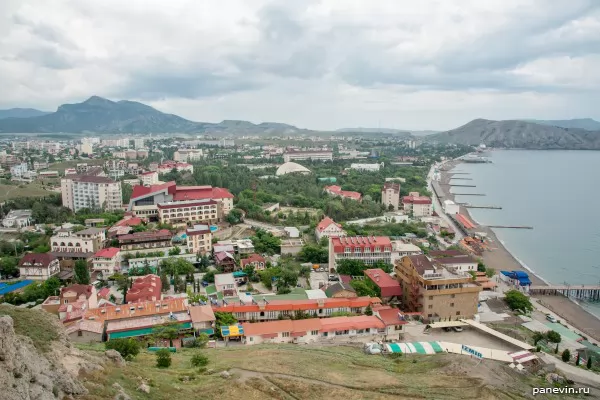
x,y
415,348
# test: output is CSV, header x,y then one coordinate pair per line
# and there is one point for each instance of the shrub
x,y
163,358
589,362
128,348
538,349
566,355
518,301
553,337
199,360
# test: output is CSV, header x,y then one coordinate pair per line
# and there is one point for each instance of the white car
x,y
551,318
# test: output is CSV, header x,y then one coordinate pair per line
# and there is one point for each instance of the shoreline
x,y
500,258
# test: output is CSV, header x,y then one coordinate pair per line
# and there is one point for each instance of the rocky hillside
x,y
37,361
21,113
580,123
99,115
519,134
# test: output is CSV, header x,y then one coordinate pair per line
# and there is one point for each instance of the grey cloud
x,y
46,57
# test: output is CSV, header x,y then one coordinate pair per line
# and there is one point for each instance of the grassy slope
x,y
8,192
36,324
295,372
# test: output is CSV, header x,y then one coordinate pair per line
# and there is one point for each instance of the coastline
x,y
500,258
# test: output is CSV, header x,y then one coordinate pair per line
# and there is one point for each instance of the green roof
x,y
211,289
564,331
142,332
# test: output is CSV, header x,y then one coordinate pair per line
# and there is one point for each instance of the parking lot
x,y
318,279
469,336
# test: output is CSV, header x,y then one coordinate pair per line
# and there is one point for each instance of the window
x,y
251,339
314,333
429,315
347,250
430,306
377,249
458,313
451,304
430,297
452,296
79,333
285,334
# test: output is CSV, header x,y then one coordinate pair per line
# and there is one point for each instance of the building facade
x,y
367,249
328,228
199,239
188,155
434,291
107,261
390,196
38,266
418,206
307,155
149,178
145,240
194,211
82,244
90,191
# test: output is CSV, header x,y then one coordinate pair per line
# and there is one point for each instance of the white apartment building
x,y
86,148
138,143
328,228
308,155
17,171
450,207
188,155
199,239
149,178
174,212
390,195
90,191
366,167
107,261
367,249
419,206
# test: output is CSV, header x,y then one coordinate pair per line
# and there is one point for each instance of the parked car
x,y
204,283
457,329
551,318
447,329
334,278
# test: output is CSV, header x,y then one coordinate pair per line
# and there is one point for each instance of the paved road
x,y
438,206
262,225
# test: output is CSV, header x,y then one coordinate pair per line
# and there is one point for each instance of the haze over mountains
x,y
98,115
519,135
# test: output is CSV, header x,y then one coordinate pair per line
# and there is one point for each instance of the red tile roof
x,y
345,278
300,305
139,190
270,329
350,323
104,293
337,190
388,285
108,252
363,242
202,314
163,233
390,316
201,192
325,222
252,258
132,221
37,258
416,200
145,288
79,289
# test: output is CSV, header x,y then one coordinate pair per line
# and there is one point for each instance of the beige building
x,y
91,191
38,266
107,261
390,195
418,206
66,243
197,211
199,239
149,178
325,155
188,155
438,293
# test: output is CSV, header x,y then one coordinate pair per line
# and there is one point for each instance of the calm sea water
x,y
556,192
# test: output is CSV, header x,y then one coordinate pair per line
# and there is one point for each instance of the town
x,y
263,240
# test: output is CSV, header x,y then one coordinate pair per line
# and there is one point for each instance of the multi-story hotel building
x,y
146,240
196,211
440,294
149,178
308,155
367,249
107,261
199,239
419,206
390,195
188,155
90,190
83,244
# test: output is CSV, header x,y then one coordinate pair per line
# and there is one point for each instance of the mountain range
x,y
519,134
579,123
21,113
100,115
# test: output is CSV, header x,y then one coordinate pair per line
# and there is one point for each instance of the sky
x,y
404,64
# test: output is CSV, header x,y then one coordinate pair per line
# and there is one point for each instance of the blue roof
x,y
238,274
4,288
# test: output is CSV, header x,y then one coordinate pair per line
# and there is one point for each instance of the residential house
x,y
68,244
340,290
85,331
38,266
389,287
328,228
368,249
225,261
146,240
390,196
337,191
203,319
199,239
107,261
454,260
145,288
17,219
149,178
255,260
418,206
225,283
394,322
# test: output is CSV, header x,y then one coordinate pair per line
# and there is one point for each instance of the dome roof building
x,y
291,168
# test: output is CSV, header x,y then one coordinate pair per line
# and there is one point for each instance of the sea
x,y
555,192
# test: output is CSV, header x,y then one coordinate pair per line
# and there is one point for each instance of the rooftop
x,y
202,313
141,309
224,279
381,278
108,252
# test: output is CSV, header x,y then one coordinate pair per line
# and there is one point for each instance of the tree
x,y
127,347
165,283
200,341
209,277
368,310
365,287
489,272
168,332
589,362
481,267
313,254
174,251
82,272
537,336
204,262
235,216
8,267
553,337
517,301
578,360
163,358
126,192
179,284
387,268
566,355
351,267
223,319
199,360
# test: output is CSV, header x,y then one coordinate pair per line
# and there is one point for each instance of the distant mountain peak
x,y
97,100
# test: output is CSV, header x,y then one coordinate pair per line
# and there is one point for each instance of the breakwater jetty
x,y
488,207
584,292
468,194
510,227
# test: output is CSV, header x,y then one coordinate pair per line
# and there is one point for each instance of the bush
x,y
199,360
128,348
518,301
199,342
566,355
163,358
589,362
553,337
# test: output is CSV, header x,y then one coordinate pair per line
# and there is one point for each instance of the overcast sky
x,y
406,64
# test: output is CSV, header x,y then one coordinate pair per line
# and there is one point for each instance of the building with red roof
x,y
255,260
107,261
169,166
267,310
145,288
367,249
328,228
389,286
419,206
149,178
337,191
314,330
146,240
38,266
145,199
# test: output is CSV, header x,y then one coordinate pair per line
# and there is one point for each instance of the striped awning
x,y
232,331
415,348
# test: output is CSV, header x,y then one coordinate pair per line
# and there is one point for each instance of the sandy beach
x,y
499,258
